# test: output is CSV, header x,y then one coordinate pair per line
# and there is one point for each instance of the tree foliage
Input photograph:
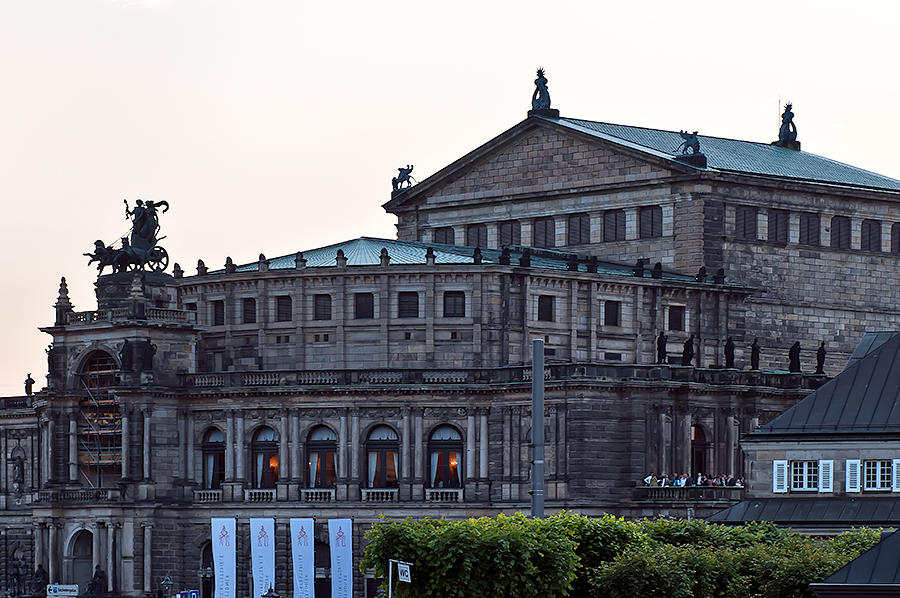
x,y
574,555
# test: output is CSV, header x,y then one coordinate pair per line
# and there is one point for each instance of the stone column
x,y
664,435
229,446
483,445
125,437
404,445
470,446
354,446
146,449
420,455
684,443
182,444
298,446
51,456
73,449
148,557
284,457
342,447
241,450
52,553
95,546
189,425
730,445
110,531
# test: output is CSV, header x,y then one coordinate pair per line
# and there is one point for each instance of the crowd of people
x,y
700,479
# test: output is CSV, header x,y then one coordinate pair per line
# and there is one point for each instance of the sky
x,y
275,126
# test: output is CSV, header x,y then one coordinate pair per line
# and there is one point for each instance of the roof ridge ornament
x,y
140,250
403,176
787,134
540,99
690,150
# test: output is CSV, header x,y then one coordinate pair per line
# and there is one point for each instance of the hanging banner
x,y
303,552
340,532
223,548
262,553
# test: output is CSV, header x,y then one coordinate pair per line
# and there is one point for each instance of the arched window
x,y
82,557
321,446
265,458
699,445
382,462
445,449
213,459
99,370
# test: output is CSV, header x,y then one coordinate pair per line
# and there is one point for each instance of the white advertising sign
x,y
303,552
340,538
223,546
262,553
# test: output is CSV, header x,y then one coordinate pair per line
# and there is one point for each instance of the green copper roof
x,y
731,155
366,251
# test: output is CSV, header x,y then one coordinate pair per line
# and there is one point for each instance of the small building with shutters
x,y
832,461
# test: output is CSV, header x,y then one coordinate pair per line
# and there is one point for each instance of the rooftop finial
x,y
540,99
403,176
787,134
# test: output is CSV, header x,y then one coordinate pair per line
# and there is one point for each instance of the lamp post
x,y
166,585
270,593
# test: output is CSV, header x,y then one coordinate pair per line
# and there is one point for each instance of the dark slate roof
x,y
883,510
864,398
366,251
732,155
878,565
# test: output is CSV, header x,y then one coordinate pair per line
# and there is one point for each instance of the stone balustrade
x,y
380,494
260,495
317,494
207,496
443,495
118,314
689,493
78,496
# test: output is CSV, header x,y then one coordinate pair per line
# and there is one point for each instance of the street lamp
x,y
270,593
167,584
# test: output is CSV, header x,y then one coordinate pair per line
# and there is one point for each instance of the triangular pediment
x,y
534,157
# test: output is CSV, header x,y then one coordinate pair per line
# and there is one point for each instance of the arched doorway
x,y
82,559
699,446
207,573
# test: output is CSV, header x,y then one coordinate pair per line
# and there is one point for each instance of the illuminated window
x,y
321,447
382,452
445,451
265,458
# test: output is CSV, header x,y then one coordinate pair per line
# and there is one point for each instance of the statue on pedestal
x,y
540,99
788,130
661,351
754,354
820,359
687,353
794,358
729,353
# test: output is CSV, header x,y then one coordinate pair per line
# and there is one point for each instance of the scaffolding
x,y
100,424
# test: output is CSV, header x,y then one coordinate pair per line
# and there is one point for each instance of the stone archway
x,y
81,555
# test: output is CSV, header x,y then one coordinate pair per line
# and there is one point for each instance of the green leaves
x,y
574,555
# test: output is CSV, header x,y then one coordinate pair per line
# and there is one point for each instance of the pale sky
x,y
276,126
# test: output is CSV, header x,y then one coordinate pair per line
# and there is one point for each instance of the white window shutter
x,y
853,471
826,467
895,475
779,476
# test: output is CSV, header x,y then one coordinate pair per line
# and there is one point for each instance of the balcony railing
x,y
690,493
443,494
260,495
206,496
380,494
317,494
507,375
118,314
79,496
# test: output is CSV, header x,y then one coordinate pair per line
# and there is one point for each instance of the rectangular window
x,y
650,222
579,229
840,232
778,226
248,306
877,475
321,307
545,308
676,317
544,233
363,306
895,238
614,225
190,306
745,223
476,235
444,235
408,304
510,233
804,475
284,309
454,304
809,229
871,235
612,312
218,313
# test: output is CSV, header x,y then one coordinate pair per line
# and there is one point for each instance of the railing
x,y
264,495
317,494
380,494
205,496
115,314
85,495
509,375
443,495
689,493
15,402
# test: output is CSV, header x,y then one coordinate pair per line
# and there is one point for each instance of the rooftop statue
x,y
788,131
540,99
690,145
141,251
403,177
